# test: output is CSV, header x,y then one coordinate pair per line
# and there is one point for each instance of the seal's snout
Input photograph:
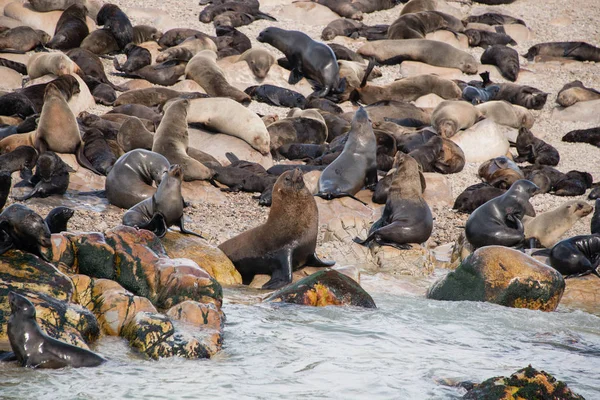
x,y
361,115
46,242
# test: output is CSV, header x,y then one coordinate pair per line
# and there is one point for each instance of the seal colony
x,y
332,109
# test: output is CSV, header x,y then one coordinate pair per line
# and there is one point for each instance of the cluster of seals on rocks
x,y
284,243
35,349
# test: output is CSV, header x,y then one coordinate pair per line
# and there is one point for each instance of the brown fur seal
x,y
23,157
97,151
130,180
137,58
34,349
500,172
284,243
165,74
451,116
505,58
485,39
51,177
144,33
591,136
23,229
71,28
23,38
150,97
186,49
428,51
491,18
100,42
406,217
259,60
171,140
117,23
163,209
173,37
417,25
58,218
91,67
41,64
548,227
356,166
203,69
504,113
579,51
342,27
134,135
575,92
535,150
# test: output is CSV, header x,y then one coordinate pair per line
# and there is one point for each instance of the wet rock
x,y
210,258
502,276
94,257
204,322
417,261
52,293
324,288
83,290
526,383
583,111
582,293
350,271
202,192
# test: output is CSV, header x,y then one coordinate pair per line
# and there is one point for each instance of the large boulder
x,y
210,258
324,288
526,383
582,293
483,141
502,276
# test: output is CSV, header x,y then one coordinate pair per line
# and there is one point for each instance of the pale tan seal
x,y
259,60
451,116
187,49
56,63
575,92
504,113
549,227
216,114
171,140
203,69
410,89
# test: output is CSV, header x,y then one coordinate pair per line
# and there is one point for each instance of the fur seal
x,y
535,150
97,151
23,39
576,256
137,58
100,42
573,183
215,114
406,216
492,18
344,53
67,84
58,218
498,222
417,25
484,39
91,67
580,51
575,92
230,41
187,49
150,97
504,113
342,27
130,180
51,177
171,140
173,37
34,349
25,230
525,96
259,61
284,243
163,209
134,135
165,74
451,116
505,58
203,69
500,172
356,166
115,21
428,51
71,28
145,33
58,63
5,183
276,96
474,196
308,58
594,224
591,136
23,157
548,227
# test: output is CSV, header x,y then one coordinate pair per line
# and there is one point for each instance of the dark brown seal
x,y
284,243
534,150
23,229
500,172
51,177
117,23
505,58
485,39
71,28
23,157
580,51
417,25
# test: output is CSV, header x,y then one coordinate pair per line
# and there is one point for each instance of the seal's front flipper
x,y
283,275
156,225
183,230
295,76
314,261
6,242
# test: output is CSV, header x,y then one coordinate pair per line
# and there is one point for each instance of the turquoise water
x,y
399,351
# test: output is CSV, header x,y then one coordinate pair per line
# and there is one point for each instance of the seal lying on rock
x,y
163,209
34,349
580,51
51,177
21,228
58,218
535,150
284,243
576,256
406,217
575,92
498,222
548,227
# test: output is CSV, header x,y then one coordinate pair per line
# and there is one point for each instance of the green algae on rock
x,y
525,384
502,276
324,288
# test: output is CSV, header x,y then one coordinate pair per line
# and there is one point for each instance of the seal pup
x,y
23,157
5,183
548,227
498,222
580,51
131,179
308,58
492,18
23,39
591,136
500,172
535,150
58,218
51,177
71,28
417,25
115,21
451,116
34,349
100,42
576,256
484,39
356,166
284,243
24,230
171,140
575,92
505,58
163,209
406,216
276,96
259,61
98,151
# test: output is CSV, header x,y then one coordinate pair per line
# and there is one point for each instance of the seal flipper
x,y
331,196
283,275
156,225
183,230
295,76
83,160
6,243
314,261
